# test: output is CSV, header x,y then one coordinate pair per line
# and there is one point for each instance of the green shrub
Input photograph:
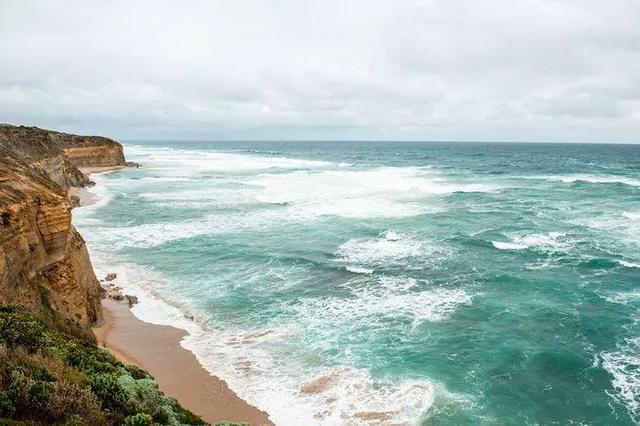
x,y
6,405
140,419
163,415
39,393
45,375
110,394
17,386
71,400
49,377
137,372
19,328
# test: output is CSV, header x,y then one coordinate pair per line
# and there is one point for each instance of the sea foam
x,y
378,192
624,366
201,161
550,241
387,249
374,301
295,392
591,178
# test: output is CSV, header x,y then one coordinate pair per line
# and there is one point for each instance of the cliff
x,y
44,263
60,154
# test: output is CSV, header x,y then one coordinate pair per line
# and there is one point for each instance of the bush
x,y
163,415
6,405
139,420
19,328
49,377
137,372
70,400
110,394
16,391
45,375
39,393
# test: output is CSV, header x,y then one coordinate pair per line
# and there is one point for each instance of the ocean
x,y
348,283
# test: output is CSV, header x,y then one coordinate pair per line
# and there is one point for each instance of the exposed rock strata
x,y
60,154
44,263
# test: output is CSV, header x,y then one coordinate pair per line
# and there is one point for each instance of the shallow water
x,y
385,283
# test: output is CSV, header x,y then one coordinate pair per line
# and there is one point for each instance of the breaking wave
x,y
624,365
550,241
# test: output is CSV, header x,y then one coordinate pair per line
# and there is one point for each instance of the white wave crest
x,y
625,225
550,241
624,365
293,392
386,249
597,179
191,160
293,395
374,302
635,216
629,264
359,270
380,192
624,297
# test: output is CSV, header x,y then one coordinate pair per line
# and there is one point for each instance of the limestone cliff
x,y
60,154
44,263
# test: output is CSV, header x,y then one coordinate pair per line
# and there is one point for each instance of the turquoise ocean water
x,y
389,283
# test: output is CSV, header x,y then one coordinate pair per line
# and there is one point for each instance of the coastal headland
x,y
45,266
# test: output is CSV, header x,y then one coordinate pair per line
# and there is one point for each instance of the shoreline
x,y
157,349
84,197
179,374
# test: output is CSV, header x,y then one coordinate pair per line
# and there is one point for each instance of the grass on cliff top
x,y
49,377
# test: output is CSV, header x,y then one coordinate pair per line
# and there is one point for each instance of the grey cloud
x,y
417,70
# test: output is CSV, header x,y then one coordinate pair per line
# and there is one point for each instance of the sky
x,y
461,70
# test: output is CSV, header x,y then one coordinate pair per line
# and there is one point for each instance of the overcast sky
x,y
530,70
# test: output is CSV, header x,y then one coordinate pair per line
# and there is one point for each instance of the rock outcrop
x,y
60,155
44,263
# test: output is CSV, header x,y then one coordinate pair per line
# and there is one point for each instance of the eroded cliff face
x,y
44,263
60,154
61,171
95,156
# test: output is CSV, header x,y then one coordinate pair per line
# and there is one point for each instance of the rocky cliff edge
x,y
44,263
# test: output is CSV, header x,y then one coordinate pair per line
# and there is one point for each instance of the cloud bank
x,y
523,70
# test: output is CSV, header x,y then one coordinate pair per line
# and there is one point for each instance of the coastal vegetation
x,y
47,376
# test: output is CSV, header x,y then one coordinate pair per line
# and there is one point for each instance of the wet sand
x,y
157,349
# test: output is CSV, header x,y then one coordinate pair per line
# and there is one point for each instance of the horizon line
x,y
377,141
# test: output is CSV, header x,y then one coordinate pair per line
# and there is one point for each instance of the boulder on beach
x,y
110,276
132,300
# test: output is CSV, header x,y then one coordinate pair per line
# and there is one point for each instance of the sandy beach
x,y
157,349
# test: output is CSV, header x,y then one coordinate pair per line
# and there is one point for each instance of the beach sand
x,y
157,349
